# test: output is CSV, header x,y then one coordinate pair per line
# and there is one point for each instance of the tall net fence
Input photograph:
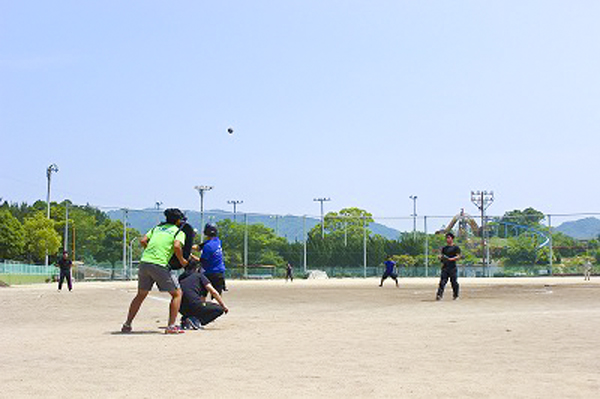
x,y
527,243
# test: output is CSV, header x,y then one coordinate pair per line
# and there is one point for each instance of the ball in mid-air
x,y
230,130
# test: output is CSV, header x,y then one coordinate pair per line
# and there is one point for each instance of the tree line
x,y
26,233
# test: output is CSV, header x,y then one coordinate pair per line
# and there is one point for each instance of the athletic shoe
x,y
185,324
438,298
456,298
174,330
194,323
126,328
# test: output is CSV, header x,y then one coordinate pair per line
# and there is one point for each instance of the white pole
x,y
125,243
551,243
51,168
246,245
304,235
426,246
364,246
66,239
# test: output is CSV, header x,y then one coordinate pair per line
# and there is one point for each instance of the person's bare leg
x,y
174,306
135,305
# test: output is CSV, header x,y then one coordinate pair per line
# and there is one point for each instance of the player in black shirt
x,y
450,254
289,272
64,264
195,310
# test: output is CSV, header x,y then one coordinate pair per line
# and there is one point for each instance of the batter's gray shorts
x,y
149,273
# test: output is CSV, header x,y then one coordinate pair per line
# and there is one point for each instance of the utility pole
x,y
235,203
201,191
321,200
158,204
66,239
125,212
482,200
414,215
49,170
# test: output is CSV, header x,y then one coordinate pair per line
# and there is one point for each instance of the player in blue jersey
x,y
389,271
212,259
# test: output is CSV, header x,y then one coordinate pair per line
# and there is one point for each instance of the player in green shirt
x,y
160,243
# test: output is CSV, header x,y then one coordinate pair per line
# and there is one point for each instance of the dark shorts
x,y
217,280
149,273
389,274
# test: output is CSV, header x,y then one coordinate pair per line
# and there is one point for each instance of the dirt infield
x,y
515,338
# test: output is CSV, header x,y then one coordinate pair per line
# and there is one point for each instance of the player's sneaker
x,y
185,324
456,298
194,323
438,297
174,330
126,328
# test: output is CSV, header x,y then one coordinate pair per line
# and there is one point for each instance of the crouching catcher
x,y
196,311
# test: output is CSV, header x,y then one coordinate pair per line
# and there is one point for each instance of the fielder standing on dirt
x,y
65,264
450,254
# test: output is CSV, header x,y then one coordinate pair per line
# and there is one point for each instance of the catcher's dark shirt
x,y
191,285
450,251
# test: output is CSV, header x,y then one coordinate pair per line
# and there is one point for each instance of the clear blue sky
x,y
366,102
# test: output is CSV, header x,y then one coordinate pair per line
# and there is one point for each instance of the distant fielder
x,y
289,272
65,264
389,271
450,254
587,271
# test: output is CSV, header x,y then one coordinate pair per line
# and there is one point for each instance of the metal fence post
x,y
426,247
551,244
364,246
245,245
305,239
125,244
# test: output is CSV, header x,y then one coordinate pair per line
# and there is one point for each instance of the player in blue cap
x,y
211,259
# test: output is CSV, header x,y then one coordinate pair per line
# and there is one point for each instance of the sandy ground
x,y
515,338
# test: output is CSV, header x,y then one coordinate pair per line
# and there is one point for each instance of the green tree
x,y
40,236
528,217
12,236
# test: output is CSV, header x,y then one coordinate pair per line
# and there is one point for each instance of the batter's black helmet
x,y
173,215
210,230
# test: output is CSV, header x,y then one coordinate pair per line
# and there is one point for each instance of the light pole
x,y
201,191
235,203
66,239
482,200
414,215
158,204
49,170
321,200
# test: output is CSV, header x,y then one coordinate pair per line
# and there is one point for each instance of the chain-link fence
x,y
356,244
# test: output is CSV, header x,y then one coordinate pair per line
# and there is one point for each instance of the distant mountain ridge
x,y
582,229
287,226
